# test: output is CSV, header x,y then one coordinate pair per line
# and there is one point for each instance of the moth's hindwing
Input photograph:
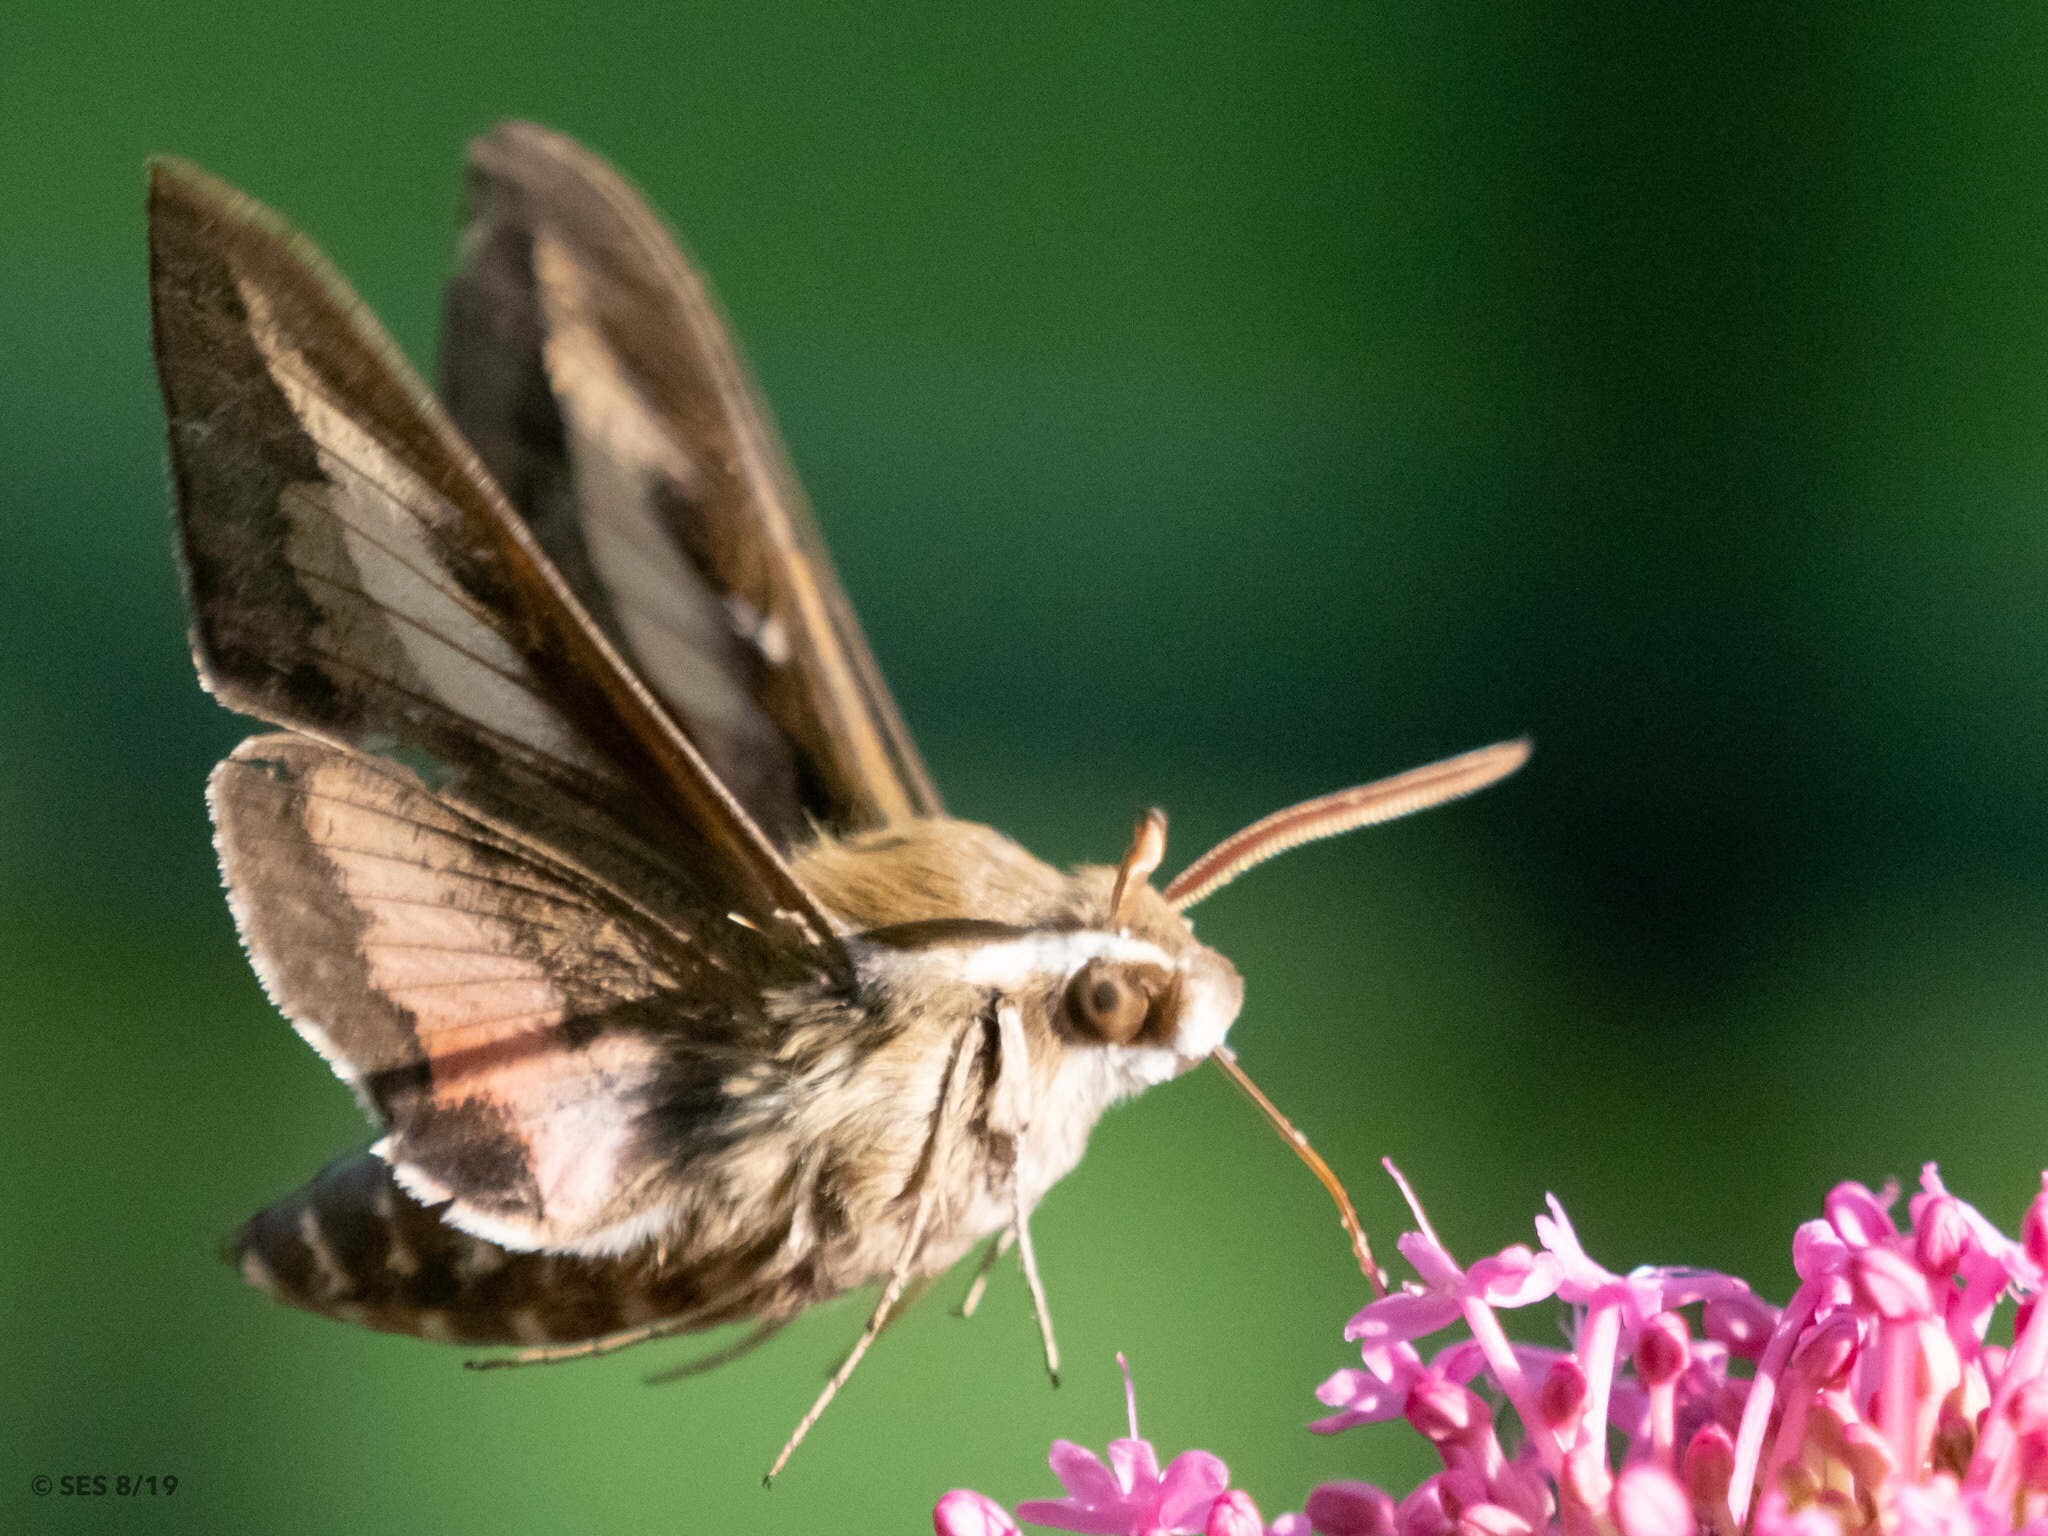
x,y
583,356
355,1246
528,1037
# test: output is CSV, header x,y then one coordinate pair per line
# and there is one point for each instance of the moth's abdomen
x,y
352,1245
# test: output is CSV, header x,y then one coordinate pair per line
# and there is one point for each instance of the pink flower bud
x,y
2030,1456
1356,1509
1708,1466
1662,1349
1940,1235
1858,1217
1563,1393
1891,1286
1442,1410
1742,1323
1236,1515
2034,1227
963,1512
1649,1502
1824,1355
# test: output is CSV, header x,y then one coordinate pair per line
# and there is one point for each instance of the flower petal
x,y
1515,1277
1083,1475
1581,1276
1858,1216
1402,1316
1136,1466
1194,1481
1817,1250
1437,1268
1422,1512
1233,1515
1362,1394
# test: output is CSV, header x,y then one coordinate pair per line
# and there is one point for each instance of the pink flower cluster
x,y
1873,1404
1129,1497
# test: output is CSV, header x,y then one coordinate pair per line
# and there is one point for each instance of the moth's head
x,y
1141,980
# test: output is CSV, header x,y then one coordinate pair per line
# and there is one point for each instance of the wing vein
x,y
511,746
430,576
523,683
555,895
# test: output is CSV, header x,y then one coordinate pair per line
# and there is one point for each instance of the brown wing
x,y
542,1053
355,575
584,357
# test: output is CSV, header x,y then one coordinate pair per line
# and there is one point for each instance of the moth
x,y
592,852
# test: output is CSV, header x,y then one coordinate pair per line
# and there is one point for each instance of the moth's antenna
x,y
1147,851
1366,805
1347,1213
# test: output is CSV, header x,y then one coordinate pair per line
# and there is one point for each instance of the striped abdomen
x,y
353,1245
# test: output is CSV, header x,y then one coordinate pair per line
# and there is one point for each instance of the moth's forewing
x,y
523,925
584,357
355,575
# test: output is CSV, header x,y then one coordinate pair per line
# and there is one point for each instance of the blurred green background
x,y
1209,405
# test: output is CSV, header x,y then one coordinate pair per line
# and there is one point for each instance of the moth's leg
x,y
912,1293
588,1349
761,1333
997,1247
899,1276
868,1336
1010,1109
1029,1257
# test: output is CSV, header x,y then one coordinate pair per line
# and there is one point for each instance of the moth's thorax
x,y
934,871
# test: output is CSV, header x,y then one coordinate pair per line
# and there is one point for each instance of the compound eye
x,y
1106,1003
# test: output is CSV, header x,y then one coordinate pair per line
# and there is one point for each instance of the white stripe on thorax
x,y
1009,963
